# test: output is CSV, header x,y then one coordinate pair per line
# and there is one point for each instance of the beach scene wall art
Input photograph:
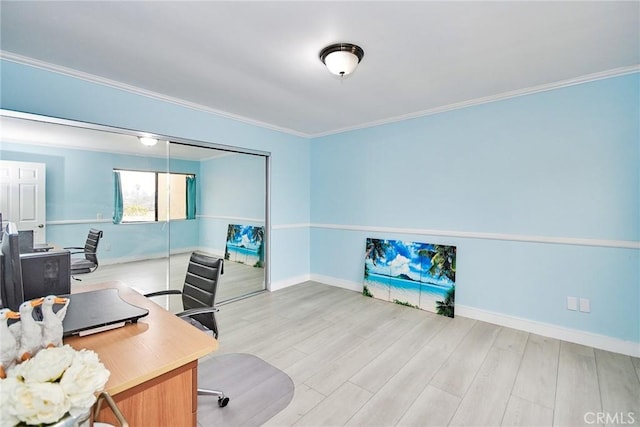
x,y
245,245
420,275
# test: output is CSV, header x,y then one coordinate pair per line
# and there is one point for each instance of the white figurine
x,y
8,343
52,321
30,330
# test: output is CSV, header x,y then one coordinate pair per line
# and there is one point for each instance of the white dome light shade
x,y
341,63
149,142
341,58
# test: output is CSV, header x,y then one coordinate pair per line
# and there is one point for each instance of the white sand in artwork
x,y
242,257
428,301
423,300
378,290
411,296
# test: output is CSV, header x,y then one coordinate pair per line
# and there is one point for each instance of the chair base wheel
x,y
223,401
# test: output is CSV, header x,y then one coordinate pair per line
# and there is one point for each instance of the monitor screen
x,y
46,273
11,292
25,238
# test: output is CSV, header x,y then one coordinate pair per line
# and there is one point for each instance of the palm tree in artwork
x,y
376,249
256,234
443,261
233,232
446,307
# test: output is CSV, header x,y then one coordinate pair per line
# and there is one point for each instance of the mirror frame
x,y
193,142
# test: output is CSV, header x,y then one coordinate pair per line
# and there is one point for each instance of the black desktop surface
x,y
96,309
42,247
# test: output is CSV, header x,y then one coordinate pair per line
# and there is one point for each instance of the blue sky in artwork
x,y
244,238
401,258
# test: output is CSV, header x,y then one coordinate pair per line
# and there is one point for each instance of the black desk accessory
x,y
96,311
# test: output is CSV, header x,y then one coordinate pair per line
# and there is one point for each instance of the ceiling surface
x,y
258,61
34,132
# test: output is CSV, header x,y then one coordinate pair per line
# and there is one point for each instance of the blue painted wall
x,y
235,187
34,90
562,164
79,187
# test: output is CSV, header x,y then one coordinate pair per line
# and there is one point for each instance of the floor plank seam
x,y
514,381
555,388
475,375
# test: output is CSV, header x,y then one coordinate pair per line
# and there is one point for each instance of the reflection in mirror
x,y
155,204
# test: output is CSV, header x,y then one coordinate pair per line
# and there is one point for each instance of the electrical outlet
x,y
585,305
107,247
572,303
99,217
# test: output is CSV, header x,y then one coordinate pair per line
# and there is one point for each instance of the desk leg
x,y
168,400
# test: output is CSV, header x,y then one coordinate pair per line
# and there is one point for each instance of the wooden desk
x,y
153,363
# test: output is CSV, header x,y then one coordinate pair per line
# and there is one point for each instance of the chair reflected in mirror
x,y
88,261
198,301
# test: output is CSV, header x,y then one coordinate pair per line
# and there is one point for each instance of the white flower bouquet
x,y
55,383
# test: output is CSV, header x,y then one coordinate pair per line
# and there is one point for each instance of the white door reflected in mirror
x,y
23,196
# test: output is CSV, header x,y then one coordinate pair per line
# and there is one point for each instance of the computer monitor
x,y
46,273
12,291
25,237
31,275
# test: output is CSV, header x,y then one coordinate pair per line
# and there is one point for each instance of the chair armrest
x,y
167,292
73,247
194,311
80,251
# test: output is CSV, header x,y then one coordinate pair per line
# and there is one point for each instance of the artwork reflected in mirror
x,y
245,245
149,235
419,275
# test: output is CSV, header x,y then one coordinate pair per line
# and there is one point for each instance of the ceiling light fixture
x,y
148,141
341,58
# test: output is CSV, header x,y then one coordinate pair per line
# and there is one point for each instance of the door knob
x,y
40,225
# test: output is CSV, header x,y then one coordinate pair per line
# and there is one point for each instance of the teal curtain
x,y
118,204
191,197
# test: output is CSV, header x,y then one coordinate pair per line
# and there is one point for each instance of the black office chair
x,y
198,301
89,262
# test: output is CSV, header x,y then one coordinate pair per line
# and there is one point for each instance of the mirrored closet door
x,y
156,201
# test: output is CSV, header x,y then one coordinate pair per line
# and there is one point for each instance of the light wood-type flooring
x,y
358,361
169,273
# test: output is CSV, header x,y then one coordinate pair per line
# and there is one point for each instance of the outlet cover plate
x,y
585,305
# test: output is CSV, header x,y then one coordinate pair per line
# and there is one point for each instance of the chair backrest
x,y
200,285
91,246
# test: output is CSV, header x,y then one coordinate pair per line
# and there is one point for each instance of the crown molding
x,y
92,78
616,72
20,59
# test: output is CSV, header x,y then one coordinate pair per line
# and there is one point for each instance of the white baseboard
x,y
337,282
137,258
281,284
603,342
212,251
